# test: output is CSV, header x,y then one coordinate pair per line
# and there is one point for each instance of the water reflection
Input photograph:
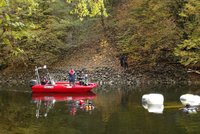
x,y
190,109
116,110
46,101
158,109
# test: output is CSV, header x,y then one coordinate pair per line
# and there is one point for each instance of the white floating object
x,y
153,102
153,98
192,100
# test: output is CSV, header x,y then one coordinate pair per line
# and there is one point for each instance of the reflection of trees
x,y
15,113
108,103
189,122
116,112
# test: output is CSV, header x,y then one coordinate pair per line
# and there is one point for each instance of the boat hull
x,y
62,87
153,98
192,100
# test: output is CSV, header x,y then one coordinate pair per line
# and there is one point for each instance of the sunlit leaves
x,y
2,3
18,25
7,42
191,8
16,52
90,8
189,51
13,27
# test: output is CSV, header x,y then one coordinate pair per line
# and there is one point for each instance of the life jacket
x,y
71,71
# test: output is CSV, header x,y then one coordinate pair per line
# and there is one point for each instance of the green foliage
x,y
33,29
91,8
2,3
189,49
12,32
150,31
146,30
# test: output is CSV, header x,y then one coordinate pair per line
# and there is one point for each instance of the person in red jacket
x,y
72,76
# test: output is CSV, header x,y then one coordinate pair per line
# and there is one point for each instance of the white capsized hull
x,y
192,100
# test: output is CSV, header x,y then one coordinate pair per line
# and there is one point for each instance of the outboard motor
x,y
33,82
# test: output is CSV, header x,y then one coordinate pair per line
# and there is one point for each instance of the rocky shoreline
x,y
103,75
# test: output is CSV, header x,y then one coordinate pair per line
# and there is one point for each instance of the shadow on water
x,y
109,109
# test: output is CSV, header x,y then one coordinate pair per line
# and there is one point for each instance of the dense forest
x,y
150,32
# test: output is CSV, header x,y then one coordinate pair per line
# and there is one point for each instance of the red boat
x,y
58,87
63,87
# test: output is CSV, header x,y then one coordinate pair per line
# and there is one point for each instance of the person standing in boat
x,y
86,80
72,77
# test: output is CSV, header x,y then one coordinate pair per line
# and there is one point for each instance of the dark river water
x,y
106,110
